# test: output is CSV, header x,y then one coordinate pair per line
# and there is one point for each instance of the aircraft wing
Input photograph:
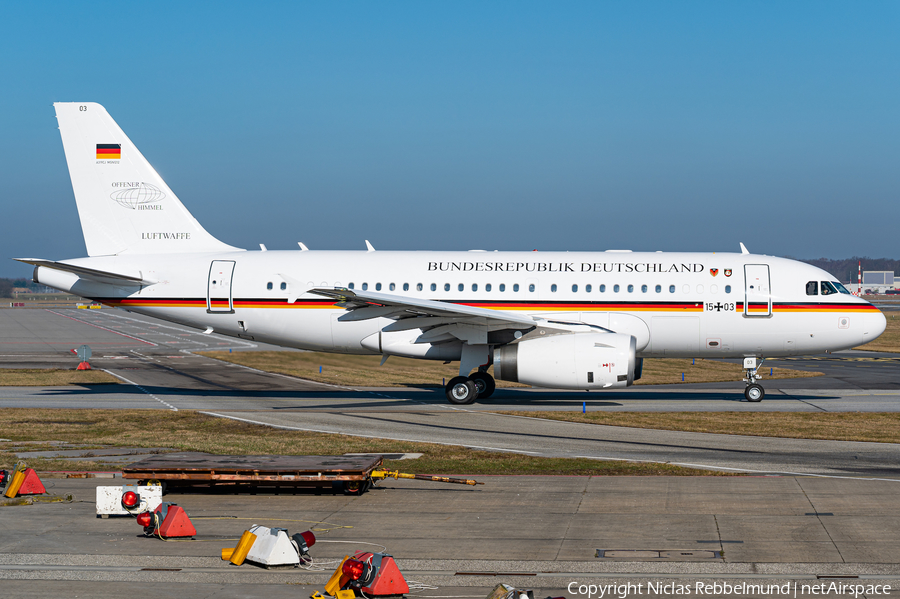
x,y
100,276
363,305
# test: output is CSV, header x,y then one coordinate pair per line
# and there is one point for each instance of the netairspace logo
x,y
721,589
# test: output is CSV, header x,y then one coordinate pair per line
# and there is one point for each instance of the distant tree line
x,y
7,285
846,270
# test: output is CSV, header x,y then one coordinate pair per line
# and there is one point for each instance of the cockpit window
x,y
812,288
841,288
828,288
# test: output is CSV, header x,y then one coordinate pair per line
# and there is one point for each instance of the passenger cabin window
x,y
727,288
516,287
602,288
553,288
615,289
365,286
659,289
433,287
587,288
574,288
502,287
283,286
377,286
531,287
460,287
393,286
405,286
671,288
269,286
487,287
418,286
350,286
474,286
643,289
828,288
446,286
631,289
812,288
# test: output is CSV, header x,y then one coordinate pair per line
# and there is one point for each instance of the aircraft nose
x,y
875,326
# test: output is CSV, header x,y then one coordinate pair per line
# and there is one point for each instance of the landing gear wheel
x,y
484,383
461,390
754,392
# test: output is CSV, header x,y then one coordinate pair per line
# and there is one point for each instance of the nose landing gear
x,y
754,391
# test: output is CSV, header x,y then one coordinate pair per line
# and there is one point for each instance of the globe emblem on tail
x,y
135,197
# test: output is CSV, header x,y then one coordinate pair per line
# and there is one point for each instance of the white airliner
x,y
566,320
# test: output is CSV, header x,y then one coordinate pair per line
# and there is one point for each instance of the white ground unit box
x,y
109,500
272,547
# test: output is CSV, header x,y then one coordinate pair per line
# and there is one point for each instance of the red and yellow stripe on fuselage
x,y
554,306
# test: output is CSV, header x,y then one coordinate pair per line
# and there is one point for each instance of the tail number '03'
x,y
82,109
719,307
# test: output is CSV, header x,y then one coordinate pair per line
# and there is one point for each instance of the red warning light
x,y
144,519
130,499
309,537
353,569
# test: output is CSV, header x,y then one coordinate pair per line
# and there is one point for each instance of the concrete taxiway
x,y
532,532
155,362
837,518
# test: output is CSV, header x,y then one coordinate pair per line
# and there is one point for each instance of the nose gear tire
x,y
754,392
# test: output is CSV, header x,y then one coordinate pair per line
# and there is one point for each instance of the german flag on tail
x,y
109,151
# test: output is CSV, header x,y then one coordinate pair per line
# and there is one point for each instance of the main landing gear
x,y
463,390
754,391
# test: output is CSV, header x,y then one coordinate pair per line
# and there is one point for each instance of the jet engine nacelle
x,y
569,361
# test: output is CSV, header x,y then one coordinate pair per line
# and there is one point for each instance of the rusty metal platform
x,y
193,468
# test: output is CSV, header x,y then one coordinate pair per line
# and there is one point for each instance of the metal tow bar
x,y
384,473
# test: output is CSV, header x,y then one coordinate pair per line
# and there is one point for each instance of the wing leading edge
x,y
441,320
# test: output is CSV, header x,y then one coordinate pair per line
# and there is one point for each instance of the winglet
x,y
303,247
744,249
369,247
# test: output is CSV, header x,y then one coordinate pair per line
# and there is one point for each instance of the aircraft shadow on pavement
x,y
344,399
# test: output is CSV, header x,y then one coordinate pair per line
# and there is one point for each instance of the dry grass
x,y
191,431
843,426
36,300
52,377
666,371
349,370
889,340
364,371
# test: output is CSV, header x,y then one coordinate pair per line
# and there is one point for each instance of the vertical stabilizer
x,y
123,204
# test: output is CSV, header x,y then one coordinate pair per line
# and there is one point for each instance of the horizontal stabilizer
x,y
91,274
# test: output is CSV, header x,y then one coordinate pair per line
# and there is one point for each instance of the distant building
x,y
879,281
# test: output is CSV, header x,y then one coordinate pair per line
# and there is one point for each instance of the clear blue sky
x,y
456,125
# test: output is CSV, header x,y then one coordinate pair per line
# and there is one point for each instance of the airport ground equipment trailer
x,y
349,474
